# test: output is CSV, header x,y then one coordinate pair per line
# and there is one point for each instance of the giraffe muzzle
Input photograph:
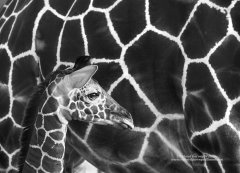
x,y
121,121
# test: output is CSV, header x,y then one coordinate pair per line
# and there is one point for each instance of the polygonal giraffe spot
x,y
170,15
79,7
207,26
176,133
111,71
225,61
10,139
204,102
49,28
117,168
128,19
103,3
10,8
5,31
21,37
115,144
217,142
101,43
50,106
52,123
4,66
25,72
61,7
156,64
72,42
127,97
34,155
223,3
53,149
235,14
18,111
234,116
160,156
4,160
4,101
51,165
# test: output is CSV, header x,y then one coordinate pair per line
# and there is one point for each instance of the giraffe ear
x,y
79,78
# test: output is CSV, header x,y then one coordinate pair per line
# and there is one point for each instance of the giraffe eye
x,y
92,96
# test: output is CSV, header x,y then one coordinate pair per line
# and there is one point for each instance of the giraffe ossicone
x,y
67,95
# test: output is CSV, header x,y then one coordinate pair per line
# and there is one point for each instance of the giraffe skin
x,y
173,64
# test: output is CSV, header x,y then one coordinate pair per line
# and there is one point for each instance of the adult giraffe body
x,y
172,64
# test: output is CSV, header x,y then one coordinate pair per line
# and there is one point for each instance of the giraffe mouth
x,y
120,122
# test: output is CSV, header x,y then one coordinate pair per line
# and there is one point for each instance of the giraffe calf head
x,y
89,102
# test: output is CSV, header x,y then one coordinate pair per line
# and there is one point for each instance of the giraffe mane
x,y
31,111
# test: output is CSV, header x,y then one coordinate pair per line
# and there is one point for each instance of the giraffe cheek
x,y
80,105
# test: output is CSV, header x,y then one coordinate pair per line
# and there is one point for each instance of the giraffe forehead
x,y
91,87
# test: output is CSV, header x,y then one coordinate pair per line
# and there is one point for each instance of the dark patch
x,y
234,116
24,75
101,115
103,3
5,31
4,66
4,160
51,165
128,19
61,7
1,21
21,37
15,159
50,106
205,102
52,122
9,137
49,35
206,28
175,132
34,157
4,101
117,169
223,3
72,41
113,71
79,127
129,99
40,136
56,135
225,60
75,115
159,156
21,5
54,150
115,144
94,109
27,168
10,8
235,14
72,106
79,7
18,111
138,168
170,15
156,64
2,11
87,111
80,105
100,41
